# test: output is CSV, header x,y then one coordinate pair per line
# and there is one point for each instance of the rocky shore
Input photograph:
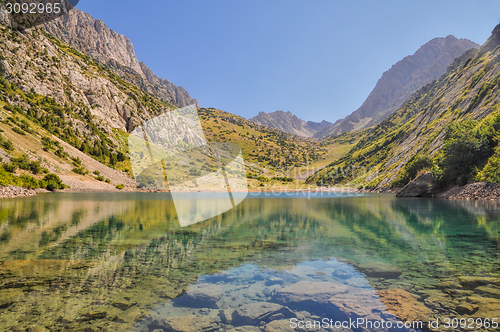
x,y
11,191
473,191
423,186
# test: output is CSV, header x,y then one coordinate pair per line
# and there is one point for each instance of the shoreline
x,y
472,191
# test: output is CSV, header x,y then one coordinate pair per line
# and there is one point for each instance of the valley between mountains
x,y
72,90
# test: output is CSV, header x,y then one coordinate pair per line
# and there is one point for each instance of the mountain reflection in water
x,y
121,262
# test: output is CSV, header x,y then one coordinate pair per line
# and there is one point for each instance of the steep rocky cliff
x,y
95,39
289,123
398,83
468,93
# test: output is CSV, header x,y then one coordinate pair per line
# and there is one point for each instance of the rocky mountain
x,y
289,123
318,125
403,79
95,39
66,114
449,127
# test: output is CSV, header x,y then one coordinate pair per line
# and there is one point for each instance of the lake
x,y
122,262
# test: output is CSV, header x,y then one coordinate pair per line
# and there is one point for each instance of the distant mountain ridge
x,y
398,83
95,39
289,123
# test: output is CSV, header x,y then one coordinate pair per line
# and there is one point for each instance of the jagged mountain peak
x,y
289,123
492,42
403,79
93,37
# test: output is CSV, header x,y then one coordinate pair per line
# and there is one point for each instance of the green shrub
x,y
9,167
262,179
5,177
48,144
411,170
120,156
76,161
6,143
491,171
80,170
113,159
27,181
282,178
108,180
53,182
61,153
100,178
22,162
120,186
464,149
18,131
36,167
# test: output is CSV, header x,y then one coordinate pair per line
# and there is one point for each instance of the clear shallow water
x,y
121,262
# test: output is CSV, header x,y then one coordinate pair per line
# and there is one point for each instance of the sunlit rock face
x,y
94,38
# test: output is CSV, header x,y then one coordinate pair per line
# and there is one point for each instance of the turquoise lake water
x,y
122,262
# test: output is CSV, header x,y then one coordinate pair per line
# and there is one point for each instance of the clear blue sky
x,y
318,59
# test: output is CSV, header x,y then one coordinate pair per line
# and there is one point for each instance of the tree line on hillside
x,y
470,152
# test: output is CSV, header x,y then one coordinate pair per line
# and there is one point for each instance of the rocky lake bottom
x,y
121,262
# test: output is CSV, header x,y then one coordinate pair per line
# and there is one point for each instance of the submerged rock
x,y
226,316
279,326
93,316
474,282
255,313
319,292
404,305
466,308
201,296
246,328
359,303
191,323
379,270
489,291
486,307
123,305
273,281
